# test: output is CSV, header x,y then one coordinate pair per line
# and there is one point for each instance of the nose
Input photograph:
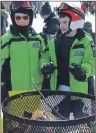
x,y
61,25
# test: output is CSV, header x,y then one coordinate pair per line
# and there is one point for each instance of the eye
x,y
64,22
25,17
18,17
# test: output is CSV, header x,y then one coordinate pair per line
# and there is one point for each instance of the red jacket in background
x,y
83,7
92,5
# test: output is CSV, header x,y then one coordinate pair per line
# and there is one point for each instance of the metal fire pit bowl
x,y
81,105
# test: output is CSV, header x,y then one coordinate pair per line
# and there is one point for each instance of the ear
x,y
72,33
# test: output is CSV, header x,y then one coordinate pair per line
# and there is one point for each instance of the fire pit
x,y
18,111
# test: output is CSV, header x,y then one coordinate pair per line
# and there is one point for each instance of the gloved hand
x,y
78,72
48,68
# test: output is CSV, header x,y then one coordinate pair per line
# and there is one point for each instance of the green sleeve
x,y
88,62
5,42
44,55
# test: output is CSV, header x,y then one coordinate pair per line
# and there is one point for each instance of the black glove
x,y
48,68
78,72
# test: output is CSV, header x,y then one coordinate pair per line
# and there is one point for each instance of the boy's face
x,y
64,24
22,19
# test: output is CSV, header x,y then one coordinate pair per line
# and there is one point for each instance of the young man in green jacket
x,y
23,49
74,55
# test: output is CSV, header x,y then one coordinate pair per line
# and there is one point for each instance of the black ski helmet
x,y
87,25
21,7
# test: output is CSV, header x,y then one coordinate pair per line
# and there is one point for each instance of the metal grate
x,y
81,105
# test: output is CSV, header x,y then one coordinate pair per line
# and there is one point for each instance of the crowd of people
x,y
88,6
58,58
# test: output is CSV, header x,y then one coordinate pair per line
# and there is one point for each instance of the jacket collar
x,y
79,34
60,34
14,30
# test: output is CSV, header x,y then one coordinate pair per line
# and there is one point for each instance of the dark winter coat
x,y
94,37
51,27
62,47
51,24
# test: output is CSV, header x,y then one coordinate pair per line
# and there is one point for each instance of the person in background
x,y
87,7
22,48
49,30
92,7
50,19
75,58
4,16
84,7
88,28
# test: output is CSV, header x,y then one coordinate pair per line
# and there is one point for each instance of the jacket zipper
x,y
29,66
75,41
29,63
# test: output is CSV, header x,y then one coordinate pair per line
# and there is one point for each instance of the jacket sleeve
x,y
44,54
5,42
88,62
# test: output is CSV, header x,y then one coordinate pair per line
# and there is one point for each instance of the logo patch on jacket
x,y
79,53
36,45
